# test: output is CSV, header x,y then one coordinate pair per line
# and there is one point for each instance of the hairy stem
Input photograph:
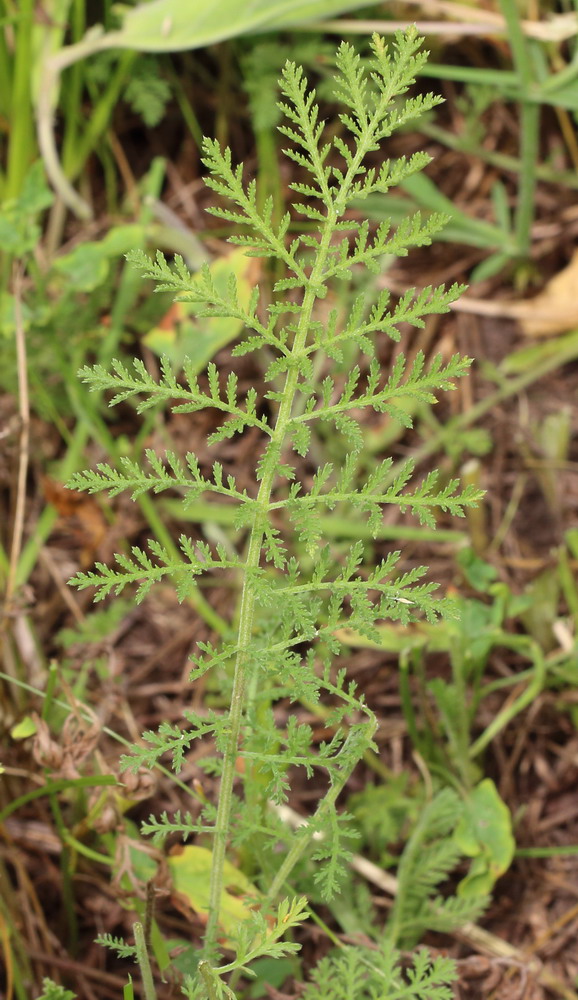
x,y
246,615
142,956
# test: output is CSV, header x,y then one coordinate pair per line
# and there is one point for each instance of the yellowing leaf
x,y
23,729
180,334
190,868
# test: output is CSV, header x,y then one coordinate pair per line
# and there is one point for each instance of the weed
x,y
361,974
291,606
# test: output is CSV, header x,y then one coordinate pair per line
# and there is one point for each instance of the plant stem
x,y
247,610
20,149
530,649
301,843
517,42
529,126
24,444
144,963
530,134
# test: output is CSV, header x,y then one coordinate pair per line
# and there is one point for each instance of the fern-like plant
x,y
363,974
291,606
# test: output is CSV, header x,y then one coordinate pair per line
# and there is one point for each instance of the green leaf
x,y
479,573
53,991
86,267
8,313
269,972
20,217
172,26
484,833
357,973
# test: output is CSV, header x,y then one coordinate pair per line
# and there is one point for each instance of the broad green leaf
x,y
484,833
142,864
19,217
269,972
191,872
563,349
571,537
172,26
8,314
544,593
185,958
479,573
181,335
85,267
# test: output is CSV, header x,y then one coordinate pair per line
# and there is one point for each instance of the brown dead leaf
x,y
555,309
81,514
64,755
174,315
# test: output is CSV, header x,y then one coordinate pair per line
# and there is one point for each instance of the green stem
x,y
528,648
142,957
101,114
529,126
77,846
54,787
247,611
517,42
45,524
564,850
72,91
21,122
51,683
301,843
67,868
530,134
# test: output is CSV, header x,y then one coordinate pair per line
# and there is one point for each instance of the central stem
x,y
335,204
247,606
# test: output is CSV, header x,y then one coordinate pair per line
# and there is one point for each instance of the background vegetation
x,y
100,133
